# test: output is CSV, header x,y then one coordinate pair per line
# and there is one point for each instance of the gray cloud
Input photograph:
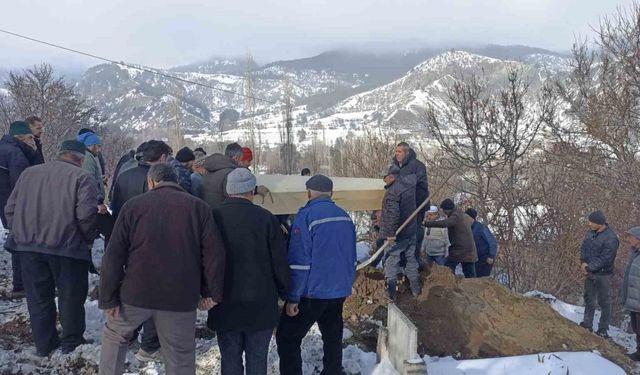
x,y
170,32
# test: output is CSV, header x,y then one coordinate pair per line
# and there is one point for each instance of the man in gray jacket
x,y
52,217
598,254
398,205
630,293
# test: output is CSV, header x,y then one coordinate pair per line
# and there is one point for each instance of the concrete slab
x,y
403,343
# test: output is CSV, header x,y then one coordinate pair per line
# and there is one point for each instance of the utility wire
x,y
141,68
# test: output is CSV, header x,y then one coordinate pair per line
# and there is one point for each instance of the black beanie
x,y
185,155
472,212
447,204
597,217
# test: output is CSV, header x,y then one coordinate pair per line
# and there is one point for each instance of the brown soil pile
x,y
368,298
480,318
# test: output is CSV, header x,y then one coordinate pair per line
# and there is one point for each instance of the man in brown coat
x,y
165,253
463,247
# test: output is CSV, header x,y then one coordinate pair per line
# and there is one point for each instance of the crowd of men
x,y
182,233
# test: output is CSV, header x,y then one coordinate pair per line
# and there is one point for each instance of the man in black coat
x,y
130,184
37,129
17,152
405,159
598,255
256,274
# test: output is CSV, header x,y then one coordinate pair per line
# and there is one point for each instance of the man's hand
x,y
206,304
102,209
391,240
113,313
292,309
489,260
583,267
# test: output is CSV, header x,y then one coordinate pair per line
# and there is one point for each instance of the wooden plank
x,y
289,193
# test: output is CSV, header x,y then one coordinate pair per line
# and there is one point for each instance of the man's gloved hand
x,y
379,242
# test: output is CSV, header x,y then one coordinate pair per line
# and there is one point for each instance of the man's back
x,y
165,235
129,184
323,246
256,272
218,166
53,210
398,204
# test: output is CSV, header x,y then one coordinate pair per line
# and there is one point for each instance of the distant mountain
x,y
340,89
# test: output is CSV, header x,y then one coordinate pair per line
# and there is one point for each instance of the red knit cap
x,y
248,155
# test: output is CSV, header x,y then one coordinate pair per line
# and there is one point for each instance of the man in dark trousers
x,y
130,184
256,274
630,291
322,260
165,253
463,247
398,205
52,217
486,245
598,255
37,129
405,158
17,152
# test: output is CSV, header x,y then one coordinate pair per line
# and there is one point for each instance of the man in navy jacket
x,y
486,245
322,261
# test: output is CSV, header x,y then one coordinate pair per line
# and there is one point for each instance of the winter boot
x,y
603,333
391,290
586,326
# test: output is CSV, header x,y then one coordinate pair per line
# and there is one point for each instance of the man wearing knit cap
x,y
17,150
598,255
247,157
463,248
257,273
52,217
182,163
322,261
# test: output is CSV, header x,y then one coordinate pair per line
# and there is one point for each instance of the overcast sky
x,y
165,33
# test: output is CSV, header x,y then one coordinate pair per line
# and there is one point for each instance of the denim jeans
x,y
254,345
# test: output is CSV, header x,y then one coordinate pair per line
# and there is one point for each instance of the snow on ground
x,y
21,358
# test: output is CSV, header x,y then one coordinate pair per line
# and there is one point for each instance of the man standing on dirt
x,y
52,217
463,247
405,158
398,205
630,293
486,245
598,255
165,253
322,260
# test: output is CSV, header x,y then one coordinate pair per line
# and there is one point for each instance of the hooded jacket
x,y
599,251
630,292
413,166
463,247
52,210
214,182
398,204
485,241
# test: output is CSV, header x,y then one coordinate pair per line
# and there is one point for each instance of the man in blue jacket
x,y
322,260
486,245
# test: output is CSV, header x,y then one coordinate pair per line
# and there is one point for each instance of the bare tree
x,y
36,91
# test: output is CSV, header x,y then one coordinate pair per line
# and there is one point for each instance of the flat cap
x,y
320,183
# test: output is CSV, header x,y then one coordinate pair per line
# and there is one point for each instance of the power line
x,y
141,68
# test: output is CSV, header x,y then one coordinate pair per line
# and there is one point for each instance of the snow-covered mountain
x,y
338,99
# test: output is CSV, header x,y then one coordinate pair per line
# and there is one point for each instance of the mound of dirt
x,y
480,318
